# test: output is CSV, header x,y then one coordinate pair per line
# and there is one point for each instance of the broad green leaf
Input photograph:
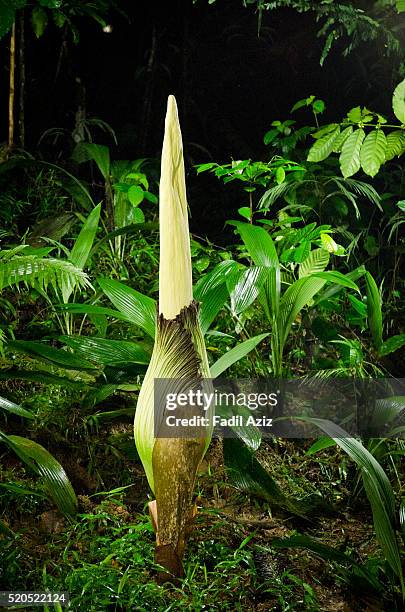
x,y
332,290
384,523
398,102
219,275
297,254
280,175
301,104
333,276
323,147
400,6
235,354
84,242
91,309
135,194
244,212
350,155
8,406
247,288
372,153
138,308
316,261
211,304
329,244
324,130
138,216
392,344
320,444
49,354
374,312
107,352
19,490
212,291
355,114
360,307
298,295
318,106
44,464
263,252
204,167
100,154
259,244
39,20
395,144
341,139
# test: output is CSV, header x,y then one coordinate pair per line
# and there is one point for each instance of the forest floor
x,y
105,559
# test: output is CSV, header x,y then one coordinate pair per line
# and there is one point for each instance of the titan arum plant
x,y
179,354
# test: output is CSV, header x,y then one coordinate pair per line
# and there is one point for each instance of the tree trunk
x,y
148,95
21,58
11,90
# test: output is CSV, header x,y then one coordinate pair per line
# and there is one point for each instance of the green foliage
x,y
39,20
38,459
61,11
347,565
374,310
378,488
126,187
282,308
247,474
137,308
39,272
359,149
13,408
253,175
235,354
342,21
7,14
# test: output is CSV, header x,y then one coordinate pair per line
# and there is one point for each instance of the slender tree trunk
x,y
21,59
11,89
147,105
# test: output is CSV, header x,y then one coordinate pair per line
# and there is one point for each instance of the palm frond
x,y
365,190
274,193
40,273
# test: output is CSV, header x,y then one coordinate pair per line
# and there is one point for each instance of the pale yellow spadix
x,y
175,277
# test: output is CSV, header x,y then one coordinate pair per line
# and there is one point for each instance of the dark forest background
x,y
232,71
